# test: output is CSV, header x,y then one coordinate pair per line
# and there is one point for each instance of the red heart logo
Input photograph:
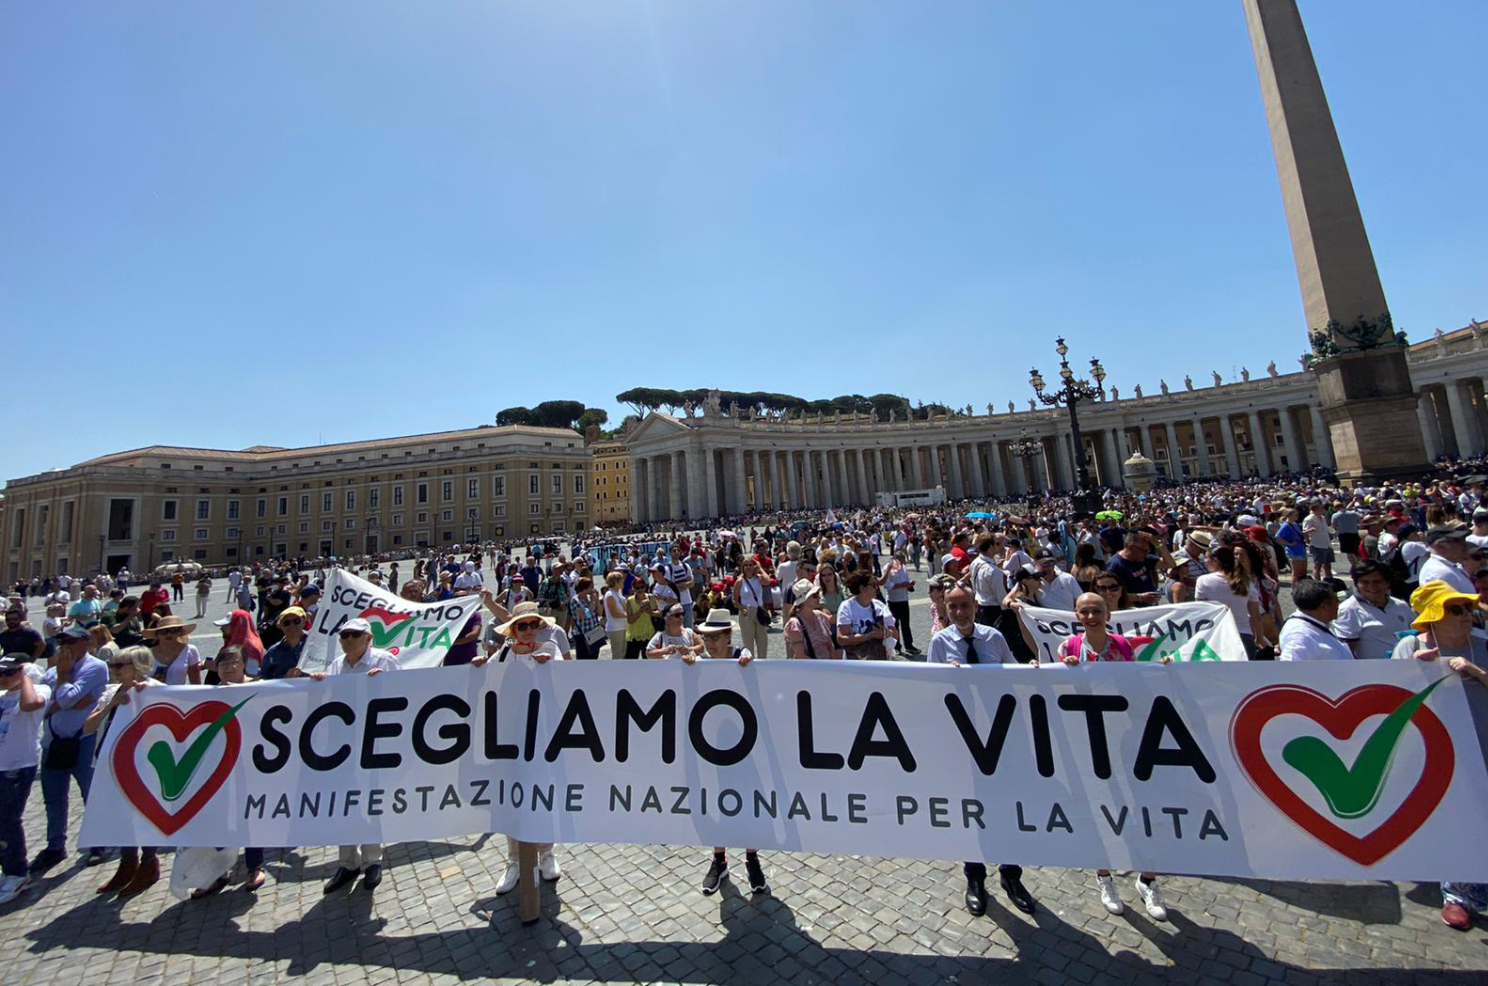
x,y
181,726
1340,718
393,651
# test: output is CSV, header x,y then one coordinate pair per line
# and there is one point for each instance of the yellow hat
x,y
1431,599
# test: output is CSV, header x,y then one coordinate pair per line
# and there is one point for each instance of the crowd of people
x,y
809,585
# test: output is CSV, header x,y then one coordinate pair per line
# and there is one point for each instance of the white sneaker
x,y
1108,894
1152,900
547,866
509,879
11,887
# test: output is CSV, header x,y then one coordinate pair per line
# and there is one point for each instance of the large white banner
x,y
417,634
1203,631
1363,771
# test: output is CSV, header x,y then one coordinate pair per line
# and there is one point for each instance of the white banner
x,y
417,634
1183,631
1367,771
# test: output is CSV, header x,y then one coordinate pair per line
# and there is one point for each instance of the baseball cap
x,y
309,589
1445,533
12,662
75,632
355,625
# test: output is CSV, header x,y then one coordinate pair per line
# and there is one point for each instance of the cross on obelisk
x,y
1368,400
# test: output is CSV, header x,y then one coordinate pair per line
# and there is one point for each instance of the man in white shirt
x,y
469,578
1371,620
1479,535
358,656
966,643
1057,590
1307,635
23,699
1449,551
988,581
680,577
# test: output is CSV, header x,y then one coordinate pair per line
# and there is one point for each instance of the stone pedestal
x,y
1369,406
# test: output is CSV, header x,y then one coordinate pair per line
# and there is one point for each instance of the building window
x,y
258,532
304,503
328,525
351,499
446,491
304,527
532,485
579,507
534,508
447,515
423,493
498,486
397,520
558,483
168,535
449,535
168,510
234,532
203,509
66,536
397,540
472,489
234,509
262,508
579,484
498,511
120,521
351,523
283,506
423,518
374,498
397,496
201,534
280,529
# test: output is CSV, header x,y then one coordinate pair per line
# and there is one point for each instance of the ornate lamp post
x,y
1070,393
1026,448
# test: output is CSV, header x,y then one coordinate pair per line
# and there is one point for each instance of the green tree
x,y
593,416
558,414
515,416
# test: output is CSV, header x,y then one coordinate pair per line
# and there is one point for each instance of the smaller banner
x,y
417,634
1183,631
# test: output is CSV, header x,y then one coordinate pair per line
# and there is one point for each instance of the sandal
x,y
255,880
218,885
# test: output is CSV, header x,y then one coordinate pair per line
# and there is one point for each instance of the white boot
x,y
509,878
1108,895
1152,900
547,866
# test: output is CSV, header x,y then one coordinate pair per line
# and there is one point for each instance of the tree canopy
x,y
884,407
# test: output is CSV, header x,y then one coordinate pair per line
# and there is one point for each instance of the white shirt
x,y
1318,534
20,732
897,584
176,673
862,619
1306,639
1438,569
1414,553
1212,586
371,659
1375,630
1060,593
949,646
613,622
988,581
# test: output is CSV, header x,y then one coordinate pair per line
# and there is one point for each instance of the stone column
x,y
710,484
844,487
1175,452
1462,428
1426,415
1111,475
1261,446
994,464
1020,475
1066,443
1227,437
1201,447
1296,452
679,495
958,484
863,495
808,473
915,476
827,500
735,499
978,471
792,487
638,489
1144,436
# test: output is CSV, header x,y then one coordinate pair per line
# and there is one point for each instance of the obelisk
x,y
1368,400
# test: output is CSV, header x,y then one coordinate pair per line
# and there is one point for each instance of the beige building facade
x,y
721,462
148,506
609,474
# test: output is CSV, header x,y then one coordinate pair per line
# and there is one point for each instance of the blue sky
x,y
283,222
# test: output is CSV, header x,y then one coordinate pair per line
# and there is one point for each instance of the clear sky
x,y
284,222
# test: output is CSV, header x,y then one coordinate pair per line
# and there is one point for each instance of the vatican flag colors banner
x,y
1328,770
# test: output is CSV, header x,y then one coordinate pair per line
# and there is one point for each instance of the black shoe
x,y
46,859
757,882
373,877
715,876
95,856
1018,894
342,877
976,898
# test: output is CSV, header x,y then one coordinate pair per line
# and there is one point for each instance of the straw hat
x,y
168,623
718,621
520,612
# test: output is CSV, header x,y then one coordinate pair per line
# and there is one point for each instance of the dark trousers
x,y
977,872
56,787
901,618
253,858
583,651
988,616
15,788
635,649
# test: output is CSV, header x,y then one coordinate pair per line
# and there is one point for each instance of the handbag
x,y
596,636
762,614
62,752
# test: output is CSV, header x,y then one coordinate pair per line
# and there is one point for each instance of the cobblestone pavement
x,y
634,914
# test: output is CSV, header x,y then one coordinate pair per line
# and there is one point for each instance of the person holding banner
x,y
129,671
967,643
358,656
864,622
1098,643
1444,621
718,643
524,642
1230,582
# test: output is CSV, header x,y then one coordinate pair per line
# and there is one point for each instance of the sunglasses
x,y
293,621
527,625
349,634
1107,587
1457,609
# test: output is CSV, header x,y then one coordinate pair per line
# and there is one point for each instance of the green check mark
x,y
1353,792
175,776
